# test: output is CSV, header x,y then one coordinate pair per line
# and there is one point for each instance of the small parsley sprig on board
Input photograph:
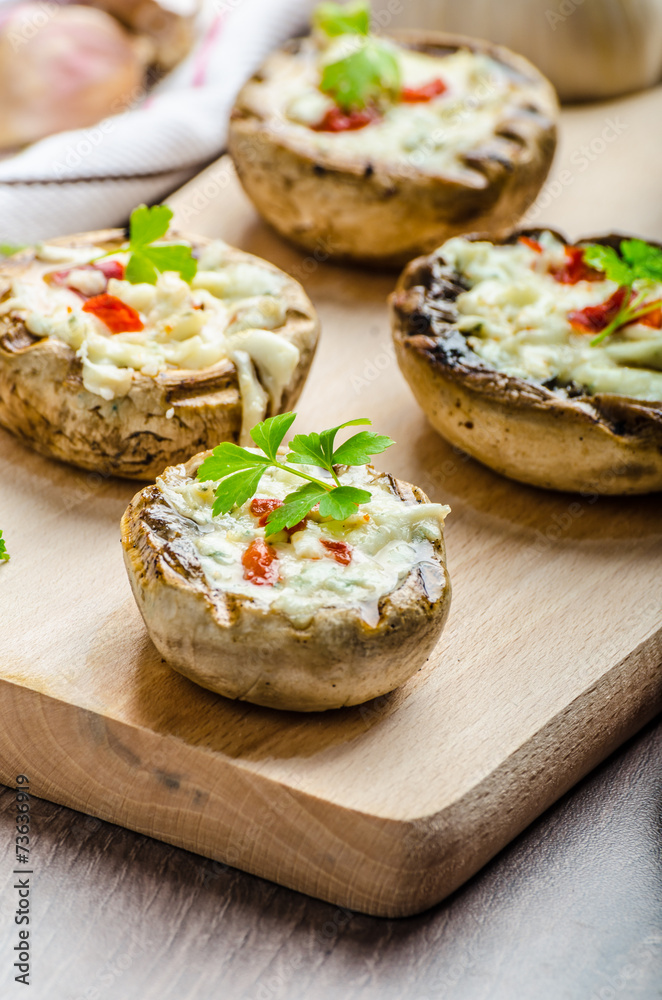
x,y
367,75
638,261
240,471
148,257
4,555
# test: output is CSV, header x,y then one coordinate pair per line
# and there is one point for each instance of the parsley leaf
x,y
4,555
343,502
149,224
364,77
306,450
140,270
269,434
359,448
295,507
327,439
338,503
645,260
239,471
174,257
606,259
317,449
343,19
638,261
147,260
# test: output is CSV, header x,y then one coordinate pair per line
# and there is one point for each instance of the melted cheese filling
x,y
430,136
230,310
388,539
515,317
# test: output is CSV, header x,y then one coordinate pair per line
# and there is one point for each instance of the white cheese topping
x,y
515,316
231,310
388,538
430,136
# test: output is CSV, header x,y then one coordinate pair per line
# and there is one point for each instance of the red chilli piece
x,y
260,563
427,92
594,319
576,269
337,120
531,244
117,315
341,551
111,269
59,277
299,526
263,506
654,317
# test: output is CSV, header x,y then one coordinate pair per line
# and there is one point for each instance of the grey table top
x,y
572,910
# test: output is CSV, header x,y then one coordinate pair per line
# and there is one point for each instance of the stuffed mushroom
x,y
127,376
377,149
540,358
325,614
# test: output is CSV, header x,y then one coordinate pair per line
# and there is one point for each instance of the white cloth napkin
x,y
91,178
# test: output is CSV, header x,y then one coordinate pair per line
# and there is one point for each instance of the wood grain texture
x,y
570,910
550,659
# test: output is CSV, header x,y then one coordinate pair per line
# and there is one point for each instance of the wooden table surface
x,y
572,909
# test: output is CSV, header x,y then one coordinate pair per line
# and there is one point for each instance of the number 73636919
x,y
22,819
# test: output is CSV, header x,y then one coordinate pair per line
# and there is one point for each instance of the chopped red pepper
x,y
337,120
593,319
60,277
654,317
576,269
109,268
531,244
299,526
117,315
428,91
341,551
262,506
260,563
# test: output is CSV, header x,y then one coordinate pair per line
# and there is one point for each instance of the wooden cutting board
x,y
550,660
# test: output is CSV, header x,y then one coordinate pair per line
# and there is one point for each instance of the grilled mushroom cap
x,y
377,210
224,642
44,403
561,438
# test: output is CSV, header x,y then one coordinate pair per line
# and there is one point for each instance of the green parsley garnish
x,y
343,19
364,77
148,258
240,471
4,555
638,261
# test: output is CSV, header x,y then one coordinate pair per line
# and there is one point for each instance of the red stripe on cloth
x,y
202,60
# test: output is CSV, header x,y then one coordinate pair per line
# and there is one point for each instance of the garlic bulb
x,y
167,23
588,48
64,68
